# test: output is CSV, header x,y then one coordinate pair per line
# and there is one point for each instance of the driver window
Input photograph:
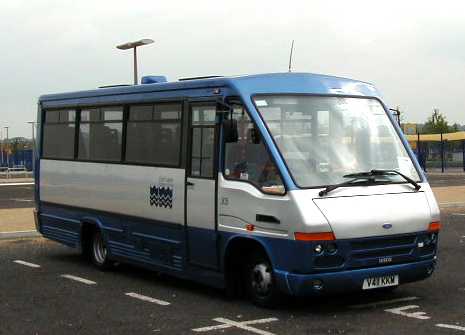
x,y
246,157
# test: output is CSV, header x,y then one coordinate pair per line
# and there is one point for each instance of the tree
x,y
437,124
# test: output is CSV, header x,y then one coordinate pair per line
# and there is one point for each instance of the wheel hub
x,y
100,251
261,279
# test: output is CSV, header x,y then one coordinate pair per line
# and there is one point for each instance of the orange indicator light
x,y
329,236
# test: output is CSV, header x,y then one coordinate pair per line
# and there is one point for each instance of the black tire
x,y
98,251
260,282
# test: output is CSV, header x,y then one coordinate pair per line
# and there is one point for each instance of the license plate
x,y
377,282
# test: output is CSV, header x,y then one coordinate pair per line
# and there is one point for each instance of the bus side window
x,y
59,134
100,134
246,157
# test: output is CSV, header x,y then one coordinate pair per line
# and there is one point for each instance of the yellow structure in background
x,y
413,139
457,136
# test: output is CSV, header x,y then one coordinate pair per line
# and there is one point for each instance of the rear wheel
x,y
260,282
98,251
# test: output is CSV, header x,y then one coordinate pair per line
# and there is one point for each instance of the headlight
x,y
318,249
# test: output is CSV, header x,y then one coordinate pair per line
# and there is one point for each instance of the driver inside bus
x,y
269,175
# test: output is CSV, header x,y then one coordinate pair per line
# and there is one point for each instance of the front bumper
x,y
350,280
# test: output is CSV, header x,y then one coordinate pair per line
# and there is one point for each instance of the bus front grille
x,y
383,242
378,251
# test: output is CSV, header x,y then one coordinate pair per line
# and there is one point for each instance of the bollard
x,y
463,154
442,154
418,151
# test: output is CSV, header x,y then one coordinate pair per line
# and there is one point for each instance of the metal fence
x,y
18,159
441,152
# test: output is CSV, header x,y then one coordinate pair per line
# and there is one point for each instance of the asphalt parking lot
x,y
16,196
43,296
449,179
46,288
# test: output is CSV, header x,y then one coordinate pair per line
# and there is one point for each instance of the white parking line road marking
x,y
244,325
19,232
384,302
15,184
148,299
79,279
451,204
442,325
416,315
31,265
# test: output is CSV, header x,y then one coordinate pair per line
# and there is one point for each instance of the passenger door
x,y
201,186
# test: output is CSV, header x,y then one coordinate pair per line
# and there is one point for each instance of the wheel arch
x,y
87,226
248,243
236,254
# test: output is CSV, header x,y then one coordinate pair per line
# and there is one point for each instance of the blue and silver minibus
x,y
275,184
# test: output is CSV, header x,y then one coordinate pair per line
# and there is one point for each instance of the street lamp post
x,y
397,114
8,148
1,147
32,123
134,45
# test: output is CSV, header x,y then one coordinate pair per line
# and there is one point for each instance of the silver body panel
x,y
240,202
201,203
376,215
357,212
114,188
350,212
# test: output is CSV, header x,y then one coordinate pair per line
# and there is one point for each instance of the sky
x,y
412,51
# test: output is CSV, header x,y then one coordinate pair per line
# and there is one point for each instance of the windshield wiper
x,y
370,178
364,180
374,173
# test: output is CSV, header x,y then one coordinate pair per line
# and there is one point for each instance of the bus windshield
x,y
322,139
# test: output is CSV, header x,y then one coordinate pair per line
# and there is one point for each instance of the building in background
x,y
17,151
409,128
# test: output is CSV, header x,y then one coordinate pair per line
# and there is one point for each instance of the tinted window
x,y
141,113
100,134
52,116
112,113
167,112
92,114
154,134
202,161
203,141
203,115
59,134
67,116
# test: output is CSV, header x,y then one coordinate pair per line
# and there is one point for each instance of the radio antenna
x,y
290,56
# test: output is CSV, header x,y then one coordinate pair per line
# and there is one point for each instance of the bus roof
x,y
300,83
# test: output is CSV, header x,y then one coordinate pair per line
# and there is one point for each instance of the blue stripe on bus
x,y
162,246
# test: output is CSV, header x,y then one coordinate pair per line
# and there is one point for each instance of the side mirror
x,y
230,132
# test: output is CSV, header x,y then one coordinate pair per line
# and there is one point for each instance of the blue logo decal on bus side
x,y
161,196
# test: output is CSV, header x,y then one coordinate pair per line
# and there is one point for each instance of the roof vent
x,y
153,79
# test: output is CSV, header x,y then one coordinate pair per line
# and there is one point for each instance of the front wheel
x,y
261,283
99,253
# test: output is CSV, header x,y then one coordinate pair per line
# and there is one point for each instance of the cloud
x,y
413,51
